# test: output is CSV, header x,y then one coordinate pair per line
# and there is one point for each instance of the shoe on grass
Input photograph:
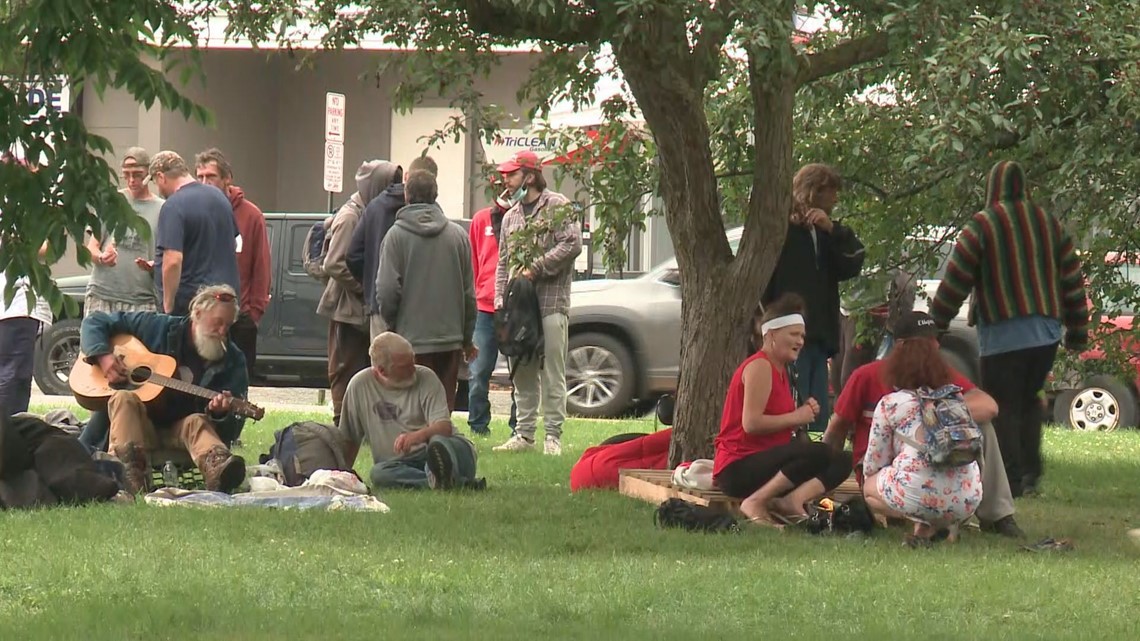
x,y
552,446
515,443
1005,526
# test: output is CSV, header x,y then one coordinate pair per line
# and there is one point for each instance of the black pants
x,y
244,334
800,462
1015,379
17,359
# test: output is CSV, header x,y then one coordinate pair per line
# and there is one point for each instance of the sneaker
x,y
552,446
515,443
1005,526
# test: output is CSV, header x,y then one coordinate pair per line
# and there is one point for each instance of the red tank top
x,y
733,443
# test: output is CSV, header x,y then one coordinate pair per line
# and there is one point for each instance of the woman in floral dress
x,y
900,482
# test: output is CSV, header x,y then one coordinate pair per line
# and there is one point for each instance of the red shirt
x,y
484,258
860,397
733,443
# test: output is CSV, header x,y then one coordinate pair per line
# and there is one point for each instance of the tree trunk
x,y
718,294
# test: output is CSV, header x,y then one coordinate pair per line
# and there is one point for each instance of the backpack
x,y
305,447
314,250
678,513
949,435
518,325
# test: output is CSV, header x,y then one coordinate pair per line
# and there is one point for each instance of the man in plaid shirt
x,y
551,274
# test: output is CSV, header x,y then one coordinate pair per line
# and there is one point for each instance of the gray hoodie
x,y
425,284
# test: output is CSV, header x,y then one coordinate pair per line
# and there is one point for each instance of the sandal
x,y
917,542
795,519
1050,544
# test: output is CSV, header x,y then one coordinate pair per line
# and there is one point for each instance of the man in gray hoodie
x,y
343,299
425,283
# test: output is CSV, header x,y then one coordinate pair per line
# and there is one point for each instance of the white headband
x,y
781,322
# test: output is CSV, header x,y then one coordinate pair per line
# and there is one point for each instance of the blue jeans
x,y
17,360
811,369
410,471
478,402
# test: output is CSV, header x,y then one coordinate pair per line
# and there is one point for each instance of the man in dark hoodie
x,y
343,299
1022,267
364,250
426,285
818,253
253,257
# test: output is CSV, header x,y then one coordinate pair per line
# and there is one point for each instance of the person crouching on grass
x,y
757,459
900,482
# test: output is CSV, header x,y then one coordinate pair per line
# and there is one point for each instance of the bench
x,y
656,486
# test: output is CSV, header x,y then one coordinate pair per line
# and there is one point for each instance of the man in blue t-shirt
x,y
195,244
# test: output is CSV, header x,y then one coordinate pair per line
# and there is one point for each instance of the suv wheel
x,y
600,376
1103,404
57,352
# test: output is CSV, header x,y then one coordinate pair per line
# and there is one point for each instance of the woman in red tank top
x,y
756,457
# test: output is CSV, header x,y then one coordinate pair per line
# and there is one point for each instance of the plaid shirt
x,y
555,270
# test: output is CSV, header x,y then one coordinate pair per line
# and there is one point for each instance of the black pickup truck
x,y
292,342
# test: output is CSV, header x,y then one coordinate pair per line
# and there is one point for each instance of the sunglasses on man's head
x,y
224,297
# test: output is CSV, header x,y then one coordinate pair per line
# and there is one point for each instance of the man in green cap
x,y
120,280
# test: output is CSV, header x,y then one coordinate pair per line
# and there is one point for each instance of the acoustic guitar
x,y
148,375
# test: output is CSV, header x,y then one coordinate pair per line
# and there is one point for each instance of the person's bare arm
x,y
171,276
983,408
351,449
757,390
94,246
408,440
836,434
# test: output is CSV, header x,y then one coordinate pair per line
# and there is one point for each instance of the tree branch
x,y
843,56
563,25
707,52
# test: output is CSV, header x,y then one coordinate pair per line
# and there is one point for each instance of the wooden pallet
x,y
656,486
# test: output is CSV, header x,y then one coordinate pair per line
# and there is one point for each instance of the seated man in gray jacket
x,y
399,408
425,283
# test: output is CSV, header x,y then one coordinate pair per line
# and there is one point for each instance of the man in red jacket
x,y
484,233
253,256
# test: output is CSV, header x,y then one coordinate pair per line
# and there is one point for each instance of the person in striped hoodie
x,y
1024,273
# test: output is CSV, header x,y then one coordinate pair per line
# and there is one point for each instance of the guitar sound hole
x,y
140,375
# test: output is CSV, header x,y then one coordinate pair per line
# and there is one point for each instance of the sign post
x,y
334,144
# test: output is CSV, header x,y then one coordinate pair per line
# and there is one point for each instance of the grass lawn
x,y
528,560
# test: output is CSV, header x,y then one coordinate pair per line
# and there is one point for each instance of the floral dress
x,y
908,483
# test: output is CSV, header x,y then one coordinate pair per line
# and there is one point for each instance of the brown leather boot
x,y
136,467
222,470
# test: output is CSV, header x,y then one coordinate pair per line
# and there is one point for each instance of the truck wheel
x,y
56,354
600,376
1102,404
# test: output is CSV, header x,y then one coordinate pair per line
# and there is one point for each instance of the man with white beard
x,y
200,344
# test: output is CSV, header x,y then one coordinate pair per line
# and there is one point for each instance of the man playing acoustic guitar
x,y
200,345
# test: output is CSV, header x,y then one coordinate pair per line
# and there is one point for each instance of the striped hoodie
x,y
1017,260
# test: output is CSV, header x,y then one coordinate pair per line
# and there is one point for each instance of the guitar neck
x,y
182,386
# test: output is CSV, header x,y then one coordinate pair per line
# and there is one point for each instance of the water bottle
x,y
170,475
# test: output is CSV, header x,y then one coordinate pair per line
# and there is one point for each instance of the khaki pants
x,y
997,500
130,424
551,377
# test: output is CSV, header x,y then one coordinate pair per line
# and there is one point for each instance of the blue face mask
x,y
518,195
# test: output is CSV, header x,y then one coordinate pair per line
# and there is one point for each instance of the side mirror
x,y
672,277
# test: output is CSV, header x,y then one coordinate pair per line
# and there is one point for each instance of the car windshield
x,y
667,271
